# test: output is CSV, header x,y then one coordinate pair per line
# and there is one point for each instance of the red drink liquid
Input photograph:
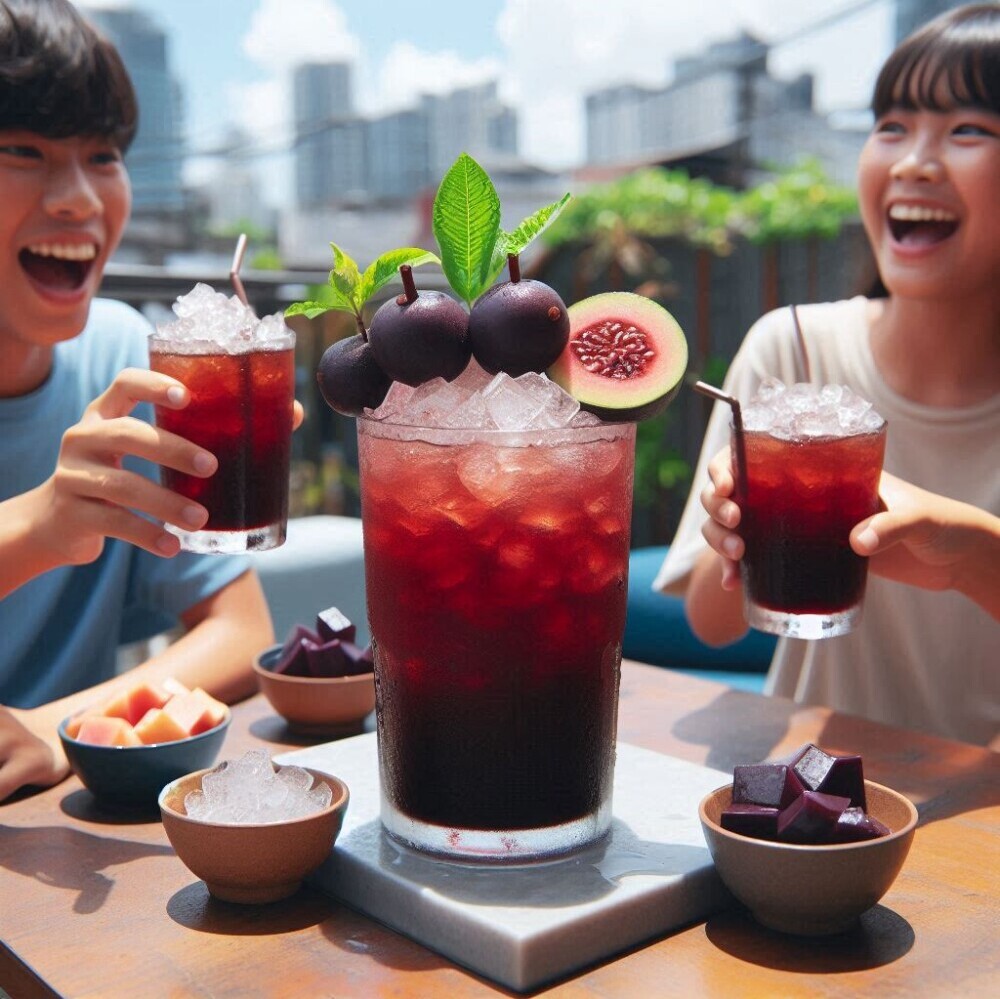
x,y
241,411
799,500
496,583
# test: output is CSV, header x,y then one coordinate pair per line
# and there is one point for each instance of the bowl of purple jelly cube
x,y
318,679
805,842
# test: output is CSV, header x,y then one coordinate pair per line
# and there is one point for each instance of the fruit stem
x,y
513,267
361,326
409,288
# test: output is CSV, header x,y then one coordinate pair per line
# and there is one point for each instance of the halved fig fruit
x,y
625,357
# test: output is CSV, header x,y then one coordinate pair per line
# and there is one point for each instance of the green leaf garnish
x,y
348,289
466,223
383,270
516,241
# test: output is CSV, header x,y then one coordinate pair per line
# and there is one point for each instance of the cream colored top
x,y
920,659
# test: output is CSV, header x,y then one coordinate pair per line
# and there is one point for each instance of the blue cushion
x,y
657,632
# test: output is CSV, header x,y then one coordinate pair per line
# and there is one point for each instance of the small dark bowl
x,y
135,775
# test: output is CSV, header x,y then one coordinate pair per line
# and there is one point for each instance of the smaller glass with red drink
x,y
807,471
240,373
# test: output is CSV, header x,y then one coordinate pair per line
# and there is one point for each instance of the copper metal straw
x,y
739,456
234,273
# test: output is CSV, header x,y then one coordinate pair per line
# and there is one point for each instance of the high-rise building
x,y
470,119
723,115
329,138
398,156
156,157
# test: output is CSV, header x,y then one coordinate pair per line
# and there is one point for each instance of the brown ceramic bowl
x,y
251,862
810,890
316,705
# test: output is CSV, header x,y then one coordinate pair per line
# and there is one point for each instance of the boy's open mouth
x,y
60,268
914,225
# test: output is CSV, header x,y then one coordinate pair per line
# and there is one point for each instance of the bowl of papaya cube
x,y
805,842
128,747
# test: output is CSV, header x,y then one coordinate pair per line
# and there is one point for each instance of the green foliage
x,y
657,469
653,203
267,258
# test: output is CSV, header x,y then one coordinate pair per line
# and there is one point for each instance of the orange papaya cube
x,y
216,709
133,703
173,686
195,711
103,731
73,725
157,726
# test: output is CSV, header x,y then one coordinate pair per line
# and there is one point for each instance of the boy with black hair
x,y
84,559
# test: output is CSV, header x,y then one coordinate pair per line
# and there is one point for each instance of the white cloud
x,y
282,34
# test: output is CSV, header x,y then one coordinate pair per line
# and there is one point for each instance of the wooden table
x,y
94,903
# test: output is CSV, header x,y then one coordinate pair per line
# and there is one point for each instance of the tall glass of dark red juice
x,y
496,567
240,411
803,489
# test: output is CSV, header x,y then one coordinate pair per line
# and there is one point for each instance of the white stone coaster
x,y
526,925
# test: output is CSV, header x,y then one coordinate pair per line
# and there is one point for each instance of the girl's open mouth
x,y
913,225
58,268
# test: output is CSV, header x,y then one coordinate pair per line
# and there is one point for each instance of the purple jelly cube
x,y
331,624
811,817
292,661
360,661
855,824
757,821
790,759
846,777
295,638
326,659
813,766
775,785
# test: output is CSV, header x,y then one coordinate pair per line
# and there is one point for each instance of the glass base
x,y
496,846
230,542
791,625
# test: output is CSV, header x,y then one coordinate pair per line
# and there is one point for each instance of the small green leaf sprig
x,y
348,289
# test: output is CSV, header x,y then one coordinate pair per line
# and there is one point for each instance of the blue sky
x,y
232,56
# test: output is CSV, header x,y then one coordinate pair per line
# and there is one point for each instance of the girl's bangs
x,y
941,74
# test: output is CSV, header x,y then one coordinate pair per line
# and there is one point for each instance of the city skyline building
x,y
156,157
723,115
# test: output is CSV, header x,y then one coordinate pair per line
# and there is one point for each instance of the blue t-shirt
x,y
59,632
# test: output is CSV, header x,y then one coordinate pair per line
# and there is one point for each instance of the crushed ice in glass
x,y
249,790
477,400
206,318
803,410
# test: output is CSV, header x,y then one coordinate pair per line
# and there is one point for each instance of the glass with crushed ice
x,y
496,531
813,457
240,373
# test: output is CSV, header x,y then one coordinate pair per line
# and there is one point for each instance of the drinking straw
x,y
234,271
740,450
802,342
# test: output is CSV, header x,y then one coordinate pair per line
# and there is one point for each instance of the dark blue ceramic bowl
x,y
136,774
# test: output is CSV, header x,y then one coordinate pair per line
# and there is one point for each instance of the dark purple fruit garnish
x,y
518,326
624,359
416,337
350,378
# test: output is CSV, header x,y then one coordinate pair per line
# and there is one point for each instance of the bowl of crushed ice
x,y
252,830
